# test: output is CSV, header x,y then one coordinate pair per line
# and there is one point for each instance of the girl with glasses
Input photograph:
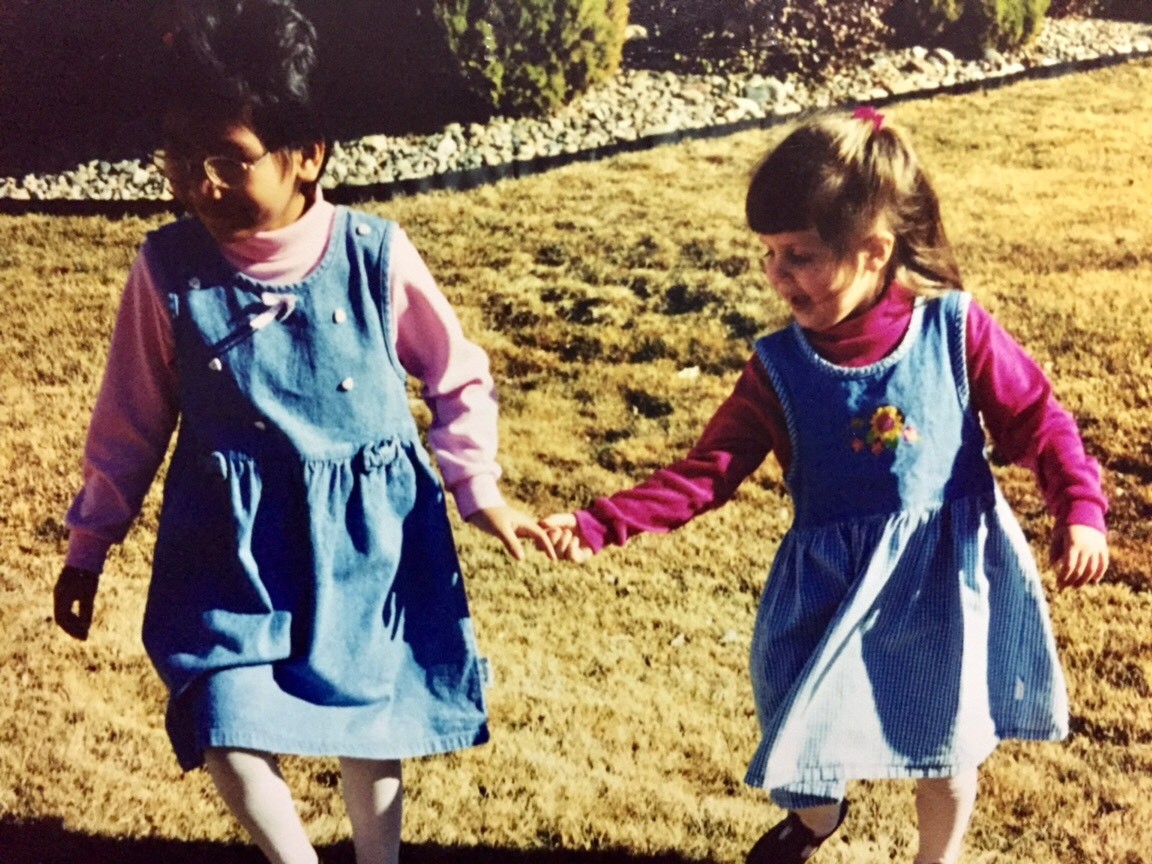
x,y
306,596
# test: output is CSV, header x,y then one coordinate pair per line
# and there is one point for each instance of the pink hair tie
x,y
870,114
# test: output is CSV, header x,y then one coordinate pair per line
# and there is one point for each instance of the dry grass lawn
x,y
621,710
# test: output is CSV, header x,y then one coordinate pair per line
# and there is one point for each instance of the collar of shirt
x,y
869,337
287,254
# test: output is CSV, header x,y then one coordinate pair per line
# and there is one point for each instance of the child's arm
x,y
746,427
459,390
132,423
1032,429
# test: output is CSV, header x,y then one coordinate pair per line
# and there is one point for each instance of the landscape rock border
x,y
637,110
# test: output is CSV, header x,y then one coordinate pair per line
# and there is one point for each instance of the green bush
x,y
924,22
1006,24
768,36
385,68
532,56
969,26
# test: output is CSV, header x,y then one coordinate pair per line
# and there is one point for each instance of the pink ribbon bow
x,y
871,115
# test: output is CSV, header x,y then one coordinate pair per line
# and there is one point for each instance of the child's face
x,y
820,287
263,190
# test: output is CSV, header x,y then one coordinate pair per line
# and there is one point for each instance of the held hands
x,y
72,601
1080,554
564,532
508,525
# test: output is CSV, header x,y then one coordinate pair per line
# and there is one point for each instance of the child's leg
x,y
252,786
822,820
820,810
373,794
943,807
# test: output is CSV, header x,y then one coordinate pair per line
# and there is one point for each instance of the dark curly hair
x,y
250,59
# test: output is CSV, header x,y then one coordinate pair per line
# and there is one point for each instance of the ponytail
x,y
842,176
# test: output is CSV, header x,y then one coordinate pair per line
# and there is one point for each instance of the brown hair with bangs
x,y
843,176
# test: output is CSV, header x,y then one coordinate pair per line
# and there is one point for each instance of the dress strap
x,y
371,238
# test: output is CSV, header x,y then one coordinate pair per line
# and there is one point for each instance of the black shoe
x,y
790,841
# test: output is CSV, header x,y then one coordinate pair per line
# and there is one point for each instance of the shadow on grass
x,y
48,841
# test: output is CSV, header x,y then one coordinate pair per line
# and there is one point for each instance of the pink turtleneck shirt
x,y
1012,393
136,410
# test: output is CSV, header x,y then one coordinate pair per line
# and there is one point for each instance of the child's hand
x,y
510,524
74,588
564,532
1082,554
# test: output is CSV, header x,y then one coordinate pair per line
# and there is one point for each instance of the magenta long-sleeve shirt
x,y
1012,393
136,410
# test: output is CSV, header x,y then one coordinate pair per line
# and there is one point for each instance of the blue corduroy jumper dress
x,y
306,596
903,630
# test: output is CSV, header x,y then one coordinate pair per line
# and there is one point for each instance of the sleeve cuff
x,y
591,530
477,493
86,551
1086,513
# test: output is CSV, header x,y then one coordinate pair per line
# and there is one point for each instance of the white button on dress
x,y
347,384
339,316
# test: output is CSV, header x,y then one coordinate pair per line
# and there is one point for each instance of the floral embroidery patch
x,y
886,430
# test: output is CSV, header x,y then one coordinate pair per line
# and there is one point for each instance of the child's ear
x,y
312,161
878,247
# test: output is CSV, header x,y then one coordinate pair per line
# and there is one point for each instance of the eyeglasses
x,y
224,172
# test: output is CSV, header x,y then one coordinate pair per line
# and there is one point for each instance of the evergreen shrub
x,y
925,22
968,26
772,36
1006,24
533,56
385,68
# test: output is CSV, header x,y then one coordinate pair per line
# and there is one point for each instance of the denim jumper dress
x,y
903,630
306,596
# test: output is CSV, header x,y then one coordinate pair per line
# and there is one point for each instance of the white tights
x,y
943,808
254,790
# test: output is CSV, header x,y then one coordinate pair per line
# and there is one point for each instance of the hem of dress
x,y
313,747
844,773
822,774
1048,733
